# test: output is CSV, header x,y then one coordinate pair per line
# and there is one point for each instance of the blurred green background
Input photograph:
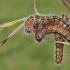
x,y
22,52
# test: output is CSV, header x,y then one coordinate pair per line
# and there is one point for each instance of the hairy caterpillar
x,y
47,24
42,25
59,46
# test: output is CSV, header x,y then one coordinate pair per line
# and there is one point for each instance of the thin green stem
x,y
12,23
57,42
36,12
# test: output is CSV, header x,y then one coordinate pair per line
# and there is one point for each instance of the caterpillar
x,y
49,24
42,25
59,46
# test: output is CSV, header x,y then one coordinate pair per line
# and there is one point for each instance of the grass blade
x,y
66,3
12,23
12,34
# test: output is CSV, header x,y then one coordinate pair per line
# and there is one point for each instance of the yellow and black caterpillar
x,y
42,25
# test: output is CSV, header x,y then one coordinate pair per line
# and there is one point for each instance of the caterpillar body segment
x,y
40,35
59,48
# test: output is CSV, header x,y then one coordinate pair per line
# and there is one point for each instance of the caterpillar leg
x,y
59,48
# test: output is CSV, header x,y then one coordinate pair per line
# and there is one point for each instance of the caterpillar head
x,y
33,24
65,18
